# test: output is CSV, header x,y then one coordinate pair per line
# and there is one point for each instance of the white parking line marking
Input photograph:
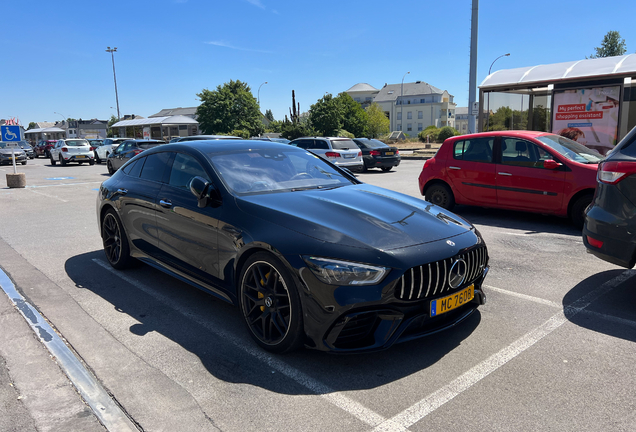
x,y
62,184
526,297
429,404
332,396
48,195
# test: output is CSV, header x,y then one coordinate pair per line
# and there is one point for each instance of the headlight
x,y
335,272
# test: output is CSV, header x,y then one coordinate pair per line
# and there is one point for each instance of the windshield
x,y
571,149
273,170
76,143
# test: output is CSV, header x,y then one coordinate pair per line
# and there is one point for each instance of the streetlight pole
x,y
63,120
258,95
111,51
488,109
402,103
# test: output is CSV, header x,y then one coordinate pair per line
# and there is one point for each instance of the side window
x,y
155,166
184,168
304,144
518,152
134,169
321,145
474,150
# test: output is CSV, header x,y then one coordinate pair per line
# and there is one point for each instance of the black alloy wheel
x,y
270,304
109,165
440,195
115,241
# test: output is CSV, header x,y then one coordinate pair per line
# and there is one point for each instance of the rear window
x,y
374,143
474,150
76,143
626,146
345,144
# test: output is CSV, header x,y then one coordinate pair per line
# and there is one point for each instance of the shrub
x,y
345,134
446,132
431,132
241,133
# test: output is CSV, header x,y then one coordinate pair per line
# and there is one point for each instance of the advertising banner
x,y
588,116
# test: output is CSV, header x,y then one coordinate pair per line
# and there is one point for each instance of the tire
x,y
115,241
53,162
97,159
111,171
91,162
577,211
36,155
23,163
62,161
387,169
270,304
80,163
441,195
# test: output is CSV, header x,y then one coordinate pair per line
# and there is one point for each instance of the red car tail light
x,y
374,153
397,152
614,172
429,162
332,154
360,153
594,242
136,152
64,149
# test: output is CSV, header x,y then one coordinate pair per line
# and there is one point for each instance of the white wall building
x,y
411,108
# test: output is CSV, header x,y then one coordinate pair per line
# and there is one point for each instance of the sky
x,y
56,66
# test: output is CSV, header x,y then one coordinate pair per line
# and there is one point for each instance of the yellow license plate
x,y
389,153
80,157
453,301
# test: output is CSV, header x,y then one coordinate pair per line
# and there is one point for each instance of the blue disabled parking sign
x,y
10,133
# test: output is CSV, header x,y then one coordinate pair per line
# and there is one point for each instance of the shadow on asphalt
x,y
618,306
170,307
529,223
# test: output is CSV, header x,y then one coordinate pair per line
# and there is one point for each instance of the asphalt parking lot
x,y
552,350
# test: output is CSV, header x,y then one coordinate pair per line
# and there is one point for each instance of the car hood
x,y
360,216
9,151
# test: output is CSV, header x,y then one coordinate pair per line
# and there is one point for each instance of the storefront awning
x,y
606,67
156,121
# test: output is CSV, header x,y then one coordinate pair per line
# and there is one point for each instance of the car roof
x,y
221,146
320,137
514,133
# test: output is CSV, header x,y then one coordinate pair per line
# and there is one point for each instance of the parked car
x,y
339,151
43,148
204,137
278,140
72,150
517,170
21,145
376,154
26,147
106,148
8,152
310,255
127,150
610,224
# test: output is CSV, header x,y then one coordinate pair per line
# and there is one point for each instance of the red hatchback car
x,y
518,170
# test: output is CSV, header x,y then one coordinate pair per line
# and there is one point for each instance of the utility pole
x,y
111,51
472,80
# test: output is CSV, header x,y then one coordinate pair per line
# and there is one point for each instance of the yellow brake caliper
x,y
260,294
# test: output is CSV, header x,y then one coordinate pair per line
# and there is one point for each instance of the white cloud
x,y
256,3
230,46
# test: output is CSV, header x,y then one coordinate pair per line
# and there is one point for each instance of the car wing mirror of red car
x,y
205,192
551,164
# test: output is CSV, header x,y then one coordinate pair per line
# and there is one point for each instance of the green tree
x,y
354,118
230,107
269,115
110,132
274,126
326,115
431,134
32,125
613,45
378,123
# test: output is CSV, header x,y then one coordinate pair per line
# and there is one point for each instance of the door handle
x,y
165,203
122,191
504,174
454,167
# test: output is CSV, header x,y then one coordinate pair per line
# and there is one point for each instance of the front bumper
x,y
355,319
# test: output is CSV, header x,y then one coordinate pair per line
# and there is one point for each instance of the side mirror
x,y
551,164
204,191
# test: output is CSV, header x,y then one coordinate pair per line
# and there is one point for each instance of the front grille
x,y
432,279
358,331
